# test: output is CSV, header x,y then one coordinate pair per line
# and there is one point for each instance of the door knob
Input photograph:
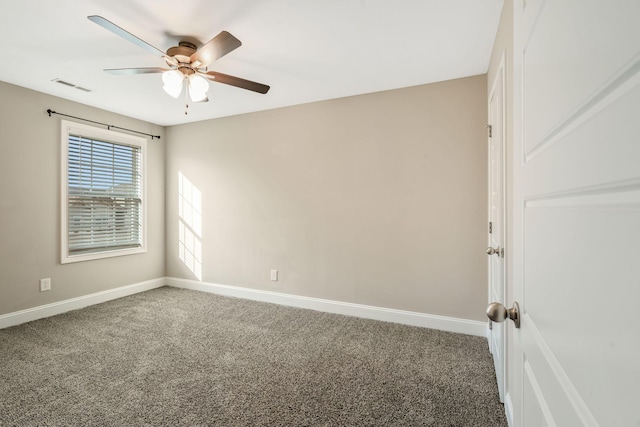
x,y
499,313
493,251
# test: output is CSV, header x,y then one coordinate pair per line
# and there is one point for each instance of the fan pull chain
x,y
186,96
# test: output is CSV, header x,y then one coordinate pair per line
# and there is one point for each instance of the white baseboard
x,y
35,313
451,324
464,326
508,410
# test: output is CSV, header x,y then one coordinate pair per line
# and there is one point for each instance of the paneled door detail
x,y
577,212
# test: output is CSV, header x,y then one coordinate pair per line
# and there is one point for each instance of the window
x,y
103,193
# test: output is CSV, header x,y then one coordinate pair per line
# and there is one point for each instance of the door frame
x,y
500,78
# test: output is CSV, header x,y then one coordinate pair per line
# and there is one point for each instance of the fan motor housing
x,y
182,53
183,49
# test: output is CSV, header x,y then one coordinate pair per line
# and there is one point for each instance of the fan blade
x,y
216,48
105,23
129,71
236,81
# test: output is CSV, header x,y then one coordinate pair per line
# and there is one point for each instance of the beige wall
x,y
377,199
30,206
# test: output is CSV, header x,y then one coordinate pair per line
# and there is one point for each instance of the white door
x,y
577,213
496,228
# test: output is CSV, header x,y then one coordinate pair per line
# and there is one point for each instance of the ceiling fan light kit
x,y
187,64
172,80
198,88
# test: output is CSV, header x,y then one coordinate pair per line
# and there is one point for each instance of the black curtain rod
x,y
50,112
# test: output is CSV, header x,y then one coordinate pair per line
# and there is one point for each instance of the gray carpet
x,y
171,357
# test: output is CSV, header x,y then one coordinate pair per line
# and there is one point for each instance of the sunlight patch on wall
x,y
190,225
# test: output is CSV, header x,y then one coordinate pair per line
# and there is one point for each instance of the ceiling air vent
x,y
62,82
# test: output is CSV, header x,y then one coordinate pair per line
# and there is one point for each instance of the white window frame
x,y
105,135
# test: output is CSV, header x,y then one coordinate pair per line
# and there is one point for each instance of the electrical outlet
x,y
274,275
45,284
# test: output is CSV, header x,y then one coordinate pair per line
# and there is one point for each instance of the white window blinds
x,y
104,196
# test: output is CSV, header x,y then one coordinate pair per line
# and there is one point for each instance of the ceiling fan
x,y
187,63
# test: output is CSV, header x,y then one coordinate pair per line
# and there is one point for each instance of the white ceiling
x,y
306,50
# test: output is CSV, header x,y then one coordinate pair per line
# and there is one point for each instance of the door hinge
x,y
490,132
490,227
